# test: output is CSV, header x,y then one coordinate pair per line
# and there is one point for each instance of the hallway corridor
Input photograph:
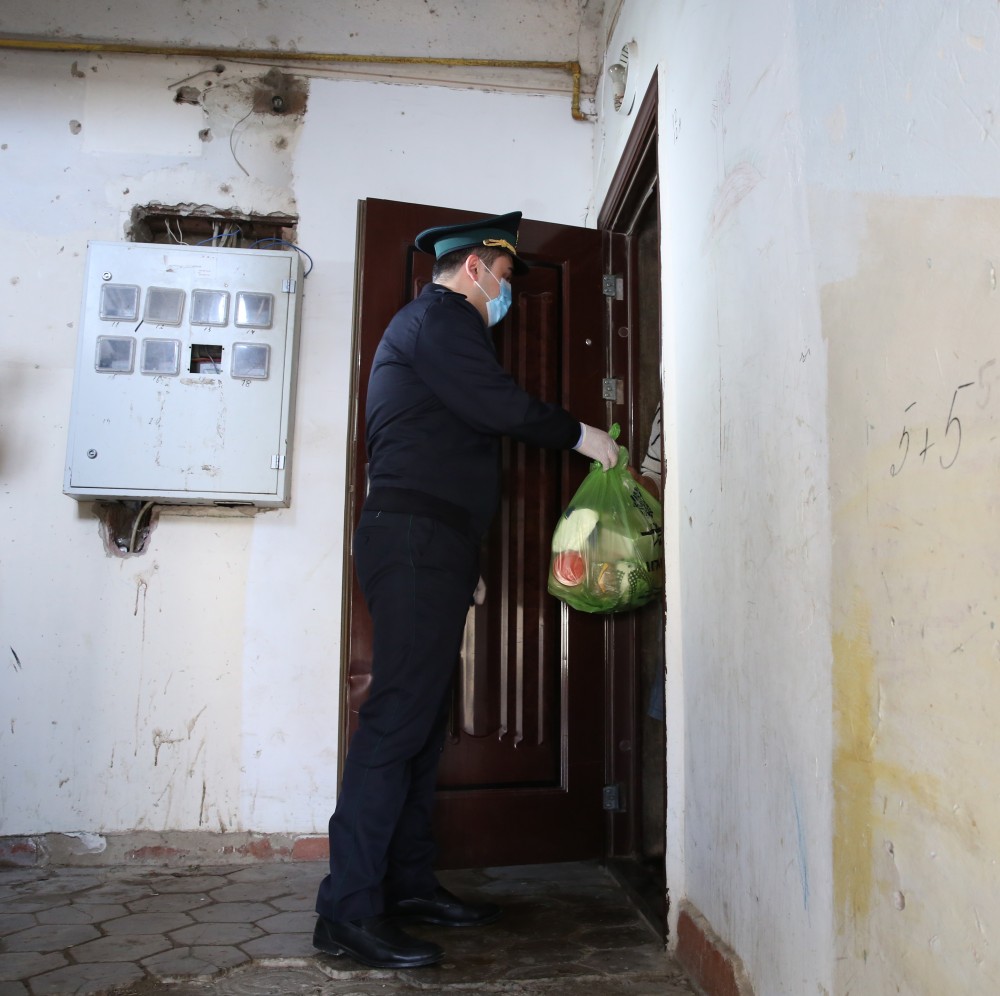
x,y
235,930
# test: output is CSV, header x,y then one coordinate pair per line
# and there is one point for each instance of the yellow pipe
x,y
270,55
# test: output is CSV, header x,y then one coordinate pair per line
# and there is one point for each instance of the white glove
x,y
597,445
479,595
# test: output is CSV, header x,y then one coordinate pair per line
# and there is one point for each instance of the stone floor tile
x,y
61,881
10,922
197,960
171,902
640,960
85,979
216,933
30,903
566,931
300,921
148,923
121,947
280,946
233,913
293,902
188,882
116,891
80,913
23,964
264,873
622,935
50,937
237,892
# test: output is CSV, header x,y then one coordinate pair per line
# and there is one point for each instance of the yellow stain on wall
x,y
853,768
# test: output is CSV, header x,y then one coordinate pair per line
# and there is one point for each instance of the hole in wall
x,y
191,224
126,526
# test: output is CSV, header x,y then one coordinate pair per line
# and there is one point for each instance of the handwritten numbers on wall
x,y
924,438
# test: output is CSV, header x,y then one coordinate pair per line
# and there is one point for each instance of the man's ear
x,y
472,264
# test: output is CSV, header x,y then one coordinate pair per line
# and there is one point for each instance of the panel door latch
x,y
613,799
613,285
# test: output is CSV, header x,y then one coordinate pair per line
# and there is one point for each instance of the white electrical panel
x,y
185,375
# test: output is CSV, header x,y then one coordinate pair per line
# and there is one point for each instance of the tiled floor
x,y
235,931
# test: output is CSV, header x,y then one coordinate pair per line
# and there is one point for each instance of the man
x,y
438,403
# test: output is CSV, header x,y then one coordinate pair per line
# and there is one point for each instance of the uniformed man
x,y
438,403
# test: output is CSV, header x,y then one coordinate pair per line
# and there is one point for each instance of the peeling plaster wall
x,y
554,31
196,687
829,205
746,507
904,176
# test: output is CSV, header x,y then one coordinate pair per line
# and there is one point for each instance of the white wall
x,y
521,30
197,686
829,200
904,198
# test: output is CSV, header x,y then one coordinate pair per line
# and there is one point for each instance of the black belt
x,y
420,503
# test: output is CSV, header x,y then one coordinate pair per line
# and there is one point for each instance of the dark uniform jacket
x,y
438,401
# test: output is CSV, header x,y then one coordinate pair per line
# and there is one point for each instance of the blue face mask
x,y
497,307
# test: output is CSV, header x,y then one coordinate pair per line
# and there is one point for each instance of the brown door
x,y
522,772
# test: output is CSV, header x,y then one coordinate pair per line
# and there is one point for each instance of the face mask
x,y
496,307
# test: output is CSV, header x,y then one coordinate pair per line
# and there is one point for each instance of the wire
x,y
135,525
179,237
220,235
232,135
218,69
285,242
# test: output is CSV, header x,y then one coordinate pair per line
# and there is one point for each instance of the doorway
x,y
522,773
551,755
630,219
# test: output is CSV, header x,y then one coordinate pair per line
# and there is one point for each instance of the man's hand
x,y
596,444
479,595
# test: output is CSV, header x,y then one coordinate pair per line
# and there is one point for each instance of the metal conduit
x,y
271,55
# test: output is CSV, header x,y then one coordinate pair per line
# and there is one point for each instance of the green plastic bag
x,y
607,549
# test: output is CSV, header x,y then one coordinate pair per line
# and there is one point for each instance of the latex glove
x,y
596,444
479,595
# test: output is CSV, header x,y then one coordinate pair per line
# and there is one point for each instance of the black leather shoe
x,y
374,941
445,909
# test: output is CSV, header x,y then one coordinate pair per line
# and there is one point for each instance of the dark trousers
x,y
417,576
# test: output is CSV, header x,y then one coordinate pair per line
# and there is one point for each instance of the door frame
x,y
636,179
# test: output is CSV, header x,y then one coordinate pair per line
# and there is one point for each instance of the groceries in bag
x,y
607,548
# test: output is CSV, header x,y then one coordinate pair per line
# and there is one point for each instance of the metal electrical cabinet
x,y
185,375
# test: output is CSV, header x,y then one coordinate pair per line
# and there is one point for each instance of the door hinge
x,y
277,461
613,389
613,799
288,285
613,285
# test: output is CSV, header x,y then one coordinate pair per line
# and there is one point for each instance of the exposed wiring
x,y
179,237
135,525
221,235
218,69
232,136
285,242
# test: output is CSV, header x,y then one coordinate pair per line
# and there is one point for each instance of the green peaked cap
x,y
497,232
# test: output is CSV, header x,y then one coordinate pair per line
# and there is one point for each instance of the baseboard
x,y
708,960
170,849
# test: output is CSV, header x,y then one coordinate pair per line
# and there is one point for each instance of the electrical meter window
x,y
164,305
209,307
115,354
206,358
251,360
119,303
253,310
160,356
